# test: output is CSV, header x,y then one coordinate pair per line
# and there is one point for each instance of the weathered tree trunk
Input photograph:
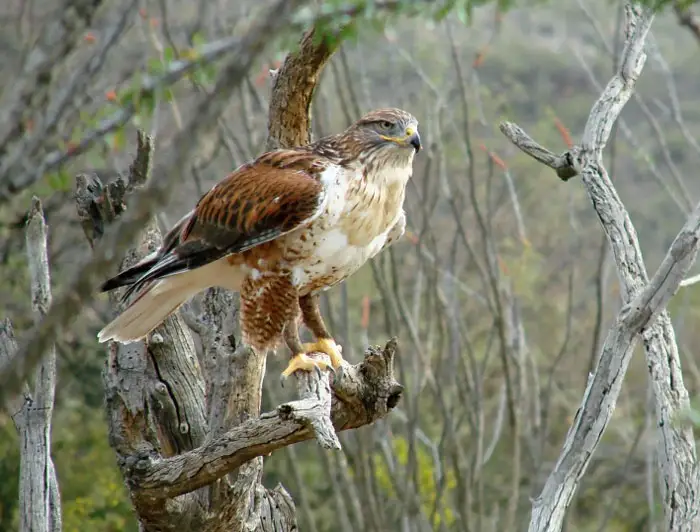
x,y
187,430
39,499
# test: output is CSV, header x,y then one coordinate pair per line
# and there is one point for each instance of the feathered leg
x,y
311,314
270,310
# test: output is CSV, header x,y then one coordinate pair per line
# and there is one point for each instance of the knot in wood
x,y
395,393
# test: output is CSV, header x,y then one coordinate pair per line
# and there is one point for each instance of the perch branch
x,y
644,312
313,408
366,393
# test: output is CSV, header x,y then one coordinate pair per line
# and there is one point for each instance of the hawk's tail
x,y
160,298
150,309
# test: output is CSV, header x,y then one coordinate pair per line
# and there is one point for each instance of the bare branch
x,y
690,281
604,386
30,90
565,165
645,300
293,89
366,393
313,408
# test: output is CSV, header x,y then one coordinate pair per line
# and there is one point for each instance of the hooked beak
x,y
413,138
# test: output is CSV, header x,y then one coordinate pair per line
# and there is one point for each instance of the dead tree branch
x,y
289,122
644,312
367,392
30,90
40,505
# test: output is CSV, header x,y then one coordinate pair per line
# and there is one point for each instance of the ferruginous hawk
x,y
279,230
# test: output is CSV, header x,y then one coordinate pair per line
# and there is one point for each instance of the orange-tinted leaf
x,y
564,132
364,321
89,37
260,79
111,96
502,265
412,237
479,59
71,147
143,13
498,161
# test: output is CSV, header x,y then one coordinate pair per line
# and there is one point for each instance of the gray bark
x,y
39,499
644,312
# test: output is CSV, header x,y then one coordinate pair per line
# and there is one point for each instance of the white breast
x,y
328,256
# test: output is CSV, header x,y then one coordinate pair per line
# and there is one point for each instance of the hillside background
x,y
451,457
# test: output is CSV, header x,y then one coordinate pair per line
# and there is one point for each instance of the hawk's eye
x,y
385,125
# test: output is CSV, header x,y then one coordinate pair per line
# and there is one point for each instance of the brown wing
x,y
272,196
260,201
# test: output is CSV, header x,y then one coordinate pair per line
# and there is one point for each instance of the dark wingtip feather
x,y
111,284
128,276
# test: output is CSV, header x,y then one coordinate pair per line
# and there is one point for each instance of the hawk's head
x,y
384,137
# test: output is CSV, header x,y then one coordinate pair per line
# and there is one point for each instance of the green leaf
x,y
198,39
155,66
168,55
59,181
147,103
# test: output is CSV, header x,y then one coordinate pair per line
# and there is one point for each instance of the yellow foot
x,y
304,363
328,346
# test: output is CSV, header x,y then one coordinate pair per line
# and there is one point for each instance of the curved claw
x,y
338,374
302,362
329,347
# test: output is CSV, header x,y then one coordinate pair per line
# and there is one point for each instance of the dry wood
x,y
39,500
643,313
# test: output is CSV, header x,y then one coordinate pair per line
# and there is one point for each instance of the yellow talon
x,y
329,347
304,363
